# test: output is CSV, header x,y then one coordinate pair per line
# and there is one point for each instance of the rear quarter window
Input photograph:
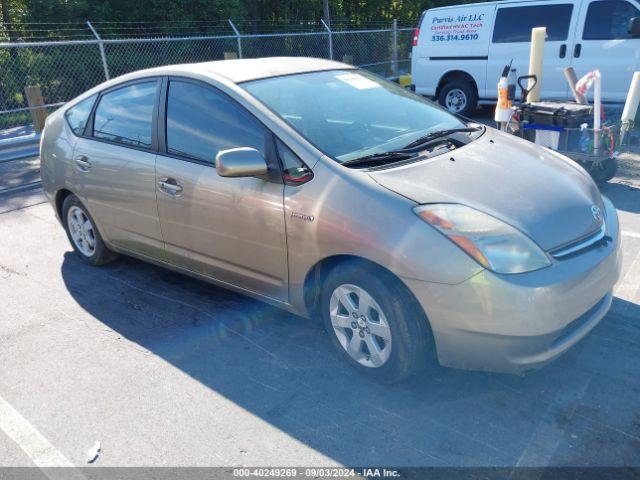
x,y
514,24
78,115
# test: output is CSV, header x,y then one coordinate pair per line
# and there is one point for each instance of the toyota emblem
x,y
596,212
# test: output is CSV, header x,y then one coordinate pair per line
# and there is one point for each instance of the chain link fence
x,y
58,71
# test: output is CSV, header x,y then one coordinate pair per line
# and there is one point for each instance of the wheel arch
x,y
456,75
318,273
60,197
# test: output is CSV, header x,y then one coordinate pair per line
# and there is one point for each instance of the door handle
x,y
83,163
563,50
577,50
170,186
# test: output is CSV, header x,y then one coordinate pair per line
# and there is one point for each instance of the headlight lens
x,y
492,243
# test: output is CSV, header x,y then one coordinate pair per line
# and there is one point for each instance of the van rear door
x,y
602,41
511,39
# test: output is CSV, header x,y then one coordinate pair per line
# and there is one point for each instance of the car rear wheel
x,y
83,233
458,96
374,323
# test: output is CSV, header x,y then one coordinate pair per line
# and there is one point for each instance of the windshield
x,y
349,114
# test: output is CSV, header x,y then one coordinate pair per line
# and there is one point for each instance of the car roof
x,y
235,71
246,69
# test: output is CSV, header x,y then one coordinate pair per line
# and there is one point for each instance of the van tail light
x,y
416,35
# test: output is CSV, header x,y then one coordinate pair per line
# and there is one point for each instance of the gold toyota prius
x,y
335,194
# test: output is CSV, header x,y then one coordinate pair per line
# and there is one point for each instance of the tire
x,y
461,91
85,238
392,343
603,171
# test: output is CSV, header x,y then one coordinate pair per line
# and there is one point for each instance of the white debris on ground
x,y
94,452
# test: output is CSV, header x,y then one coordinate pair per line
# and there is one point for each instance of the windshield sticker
x,y
357,81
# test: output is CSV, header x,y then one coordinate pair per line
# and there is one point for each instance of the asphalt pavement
x,y
165,370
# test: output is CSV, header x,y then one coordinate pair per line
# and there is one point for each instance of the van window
x,y
514,24
78,114
608,20
125,115
201,122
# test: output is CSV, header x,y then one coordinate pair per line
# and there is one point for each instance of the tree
x,y
255,12
325,12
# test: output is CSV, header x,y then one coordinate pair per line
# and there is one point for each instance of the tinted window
x,y
202,121
608,20
77,116
514,24
126,115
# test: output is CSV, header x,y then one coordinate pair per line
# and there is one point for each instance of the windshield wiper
x,y
407,151
439,134
393,156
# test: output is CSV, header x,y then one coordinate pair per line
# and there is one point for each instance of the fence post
x,y
394,49
330,37
238,38
101,46
34,100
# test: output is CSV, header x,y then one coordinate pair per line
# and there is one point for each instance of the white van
x,y
459,51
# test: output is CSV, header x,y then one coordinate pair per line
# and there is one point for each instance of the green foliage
x,y
25,11
63,71
282,11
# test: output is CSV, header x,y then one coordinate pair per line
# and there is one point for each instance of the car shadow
x,y
281,368
624,196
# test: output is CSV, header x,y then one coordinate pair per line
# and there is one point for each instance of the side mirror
x,y
634,27
240,162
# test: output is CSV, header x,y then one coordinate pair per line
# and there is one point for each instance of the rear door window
x,y
78,115
125,115
608,20
514,24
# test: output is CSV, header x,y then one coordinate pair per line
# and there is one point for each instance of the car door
x,y
511,40
231,229
116,164
603,42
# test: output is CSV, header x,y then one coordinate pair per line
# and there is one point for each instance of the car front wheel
x,y
374,323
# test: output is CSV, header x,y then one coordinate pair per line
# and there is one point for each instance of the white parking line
x,y
630,234
38,448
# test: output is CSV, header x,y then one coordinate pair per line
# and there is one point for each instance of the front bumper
x,y
516,323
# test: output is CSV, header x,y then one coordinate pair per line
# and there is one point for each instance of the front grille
x,y
583,244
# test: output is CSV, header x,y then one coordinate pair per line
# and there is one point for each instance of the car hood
x,y
541,193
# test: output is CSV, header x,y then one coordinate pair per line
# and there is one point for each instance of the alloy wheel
x,y
82,231
360,325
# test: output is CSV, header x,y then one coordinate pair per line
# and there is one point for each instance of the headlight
x,y
492,243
